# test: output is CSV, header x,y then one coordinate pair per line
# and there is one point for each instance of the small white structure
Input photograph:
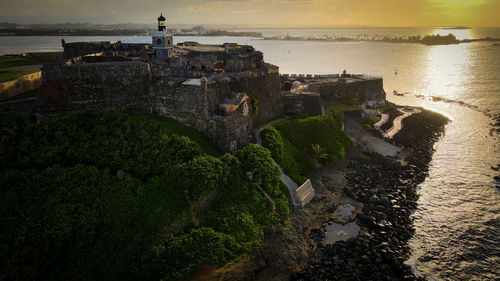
x,y
305,193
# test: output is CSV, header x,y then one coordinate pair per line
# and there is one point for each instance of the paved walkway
x,y
284,178
398,122
383,119
356,132
24,67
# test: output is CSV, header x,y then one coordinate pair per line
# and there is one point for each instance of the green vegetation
x,y
27,95
6,75
11,61
170,127
343,105
296,144
108,196
368,123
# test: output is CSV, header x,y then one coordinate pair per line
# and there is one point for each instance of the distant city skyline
x,y
259,13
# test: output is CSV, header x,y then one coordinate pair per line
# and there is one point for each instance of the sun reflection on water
x,y
447,70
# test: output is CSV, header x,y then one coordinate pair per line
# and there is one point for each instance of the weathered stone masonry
x,y
196,85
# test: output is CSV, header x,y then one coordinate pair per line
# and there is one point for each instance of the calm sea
x,y
458,219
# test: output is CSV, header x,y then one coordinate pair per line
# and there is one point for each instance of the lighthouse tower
x,y
162,41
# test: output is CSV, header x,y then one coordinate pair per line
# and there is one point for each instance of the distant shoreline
x,y
116,32
427,40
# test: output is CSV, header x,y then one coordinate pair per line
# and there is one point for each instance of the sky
x,y
258,13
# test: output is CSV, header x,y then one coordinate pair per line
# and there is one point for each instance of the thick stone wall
x,y
232,132
184,103
303,103
263,85
198,107
78,49
71,86
361,89
194,63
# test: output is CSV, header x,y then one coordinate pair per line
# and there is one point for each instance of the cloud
x,y
248,12
284,12
196,9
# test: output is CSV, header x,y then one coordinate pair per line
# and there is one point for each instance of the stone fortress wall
x,y
366,89
112,48
133,86
95,82
224,91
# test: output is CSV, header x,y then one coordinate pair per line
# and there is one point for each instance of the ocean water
x,y
458,217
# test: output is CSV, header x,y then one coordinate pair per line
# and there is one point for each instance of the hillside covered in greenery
x,y
299,144
109,196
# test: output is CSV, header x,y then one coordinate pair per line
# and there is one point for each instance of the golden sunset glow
x,y
262,13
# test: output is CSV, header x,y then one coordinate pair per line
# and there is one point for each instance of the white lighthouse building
x,y
163,43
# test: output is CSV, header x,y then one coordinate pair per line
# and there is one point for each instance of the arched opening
x,y
168,42
158,41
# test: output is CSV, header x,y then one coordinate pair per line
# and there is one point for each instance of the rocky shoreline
x,y
383,192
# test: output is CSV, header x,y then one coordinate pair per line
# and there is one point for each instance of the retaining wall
x,y
20,85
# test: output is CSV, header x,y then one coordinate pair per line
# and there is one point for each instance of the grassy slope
x,y
11,61
172,126
6,75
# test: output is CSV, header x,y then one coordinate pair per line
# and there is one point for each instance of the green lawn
x,y
174,127
11,61
7,75
342,105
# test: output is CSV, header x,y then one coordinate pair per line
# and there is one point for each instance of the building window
x,y
168,42
158,41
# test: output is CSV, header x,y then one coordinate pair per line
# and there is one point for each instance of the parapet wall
x,y
362,90
72,86
193,63
303,103
78,49
334,87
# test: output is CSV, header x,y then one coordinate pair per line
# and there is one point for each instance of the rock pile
x,y
388,192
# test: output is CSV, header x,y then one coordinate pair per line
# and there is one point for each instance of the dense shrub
x,y
86,197
176,257
258,161
290,142
272,140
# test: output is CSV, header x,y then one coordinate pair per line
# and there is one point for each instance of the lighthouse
x,y
162,40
